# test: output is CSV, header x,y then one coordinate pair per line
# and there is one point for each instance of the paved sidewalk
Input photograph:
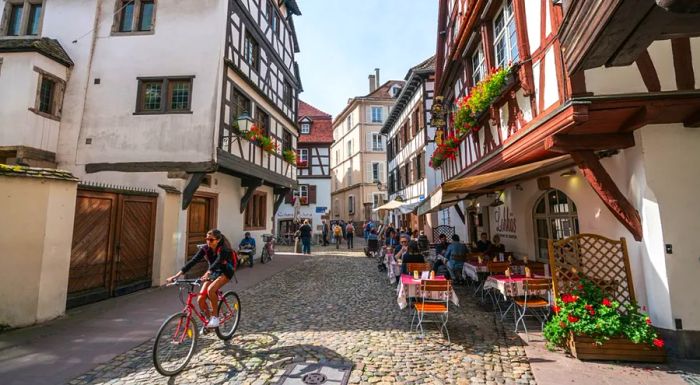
x,y
55,352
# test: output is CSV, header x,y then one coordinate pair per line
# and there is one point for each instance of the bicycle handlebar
x,y
191,282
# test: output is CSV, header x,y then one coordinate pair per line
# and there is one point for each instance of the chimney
x,y
372,84
376,71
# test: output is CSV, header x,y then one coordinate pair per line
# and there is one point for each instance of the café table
x,y
393,268
472,269
409,288
509,287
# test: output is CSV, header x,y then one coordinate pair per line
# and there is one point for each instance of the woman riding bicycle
x,y
220,257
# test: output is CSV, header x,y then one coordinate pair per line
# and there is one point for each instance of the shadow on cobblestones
x,y
339,309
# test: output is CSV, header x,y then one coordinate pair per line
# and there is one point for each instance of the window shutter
x,y
369,142
288,197
369,172
381,172
312,194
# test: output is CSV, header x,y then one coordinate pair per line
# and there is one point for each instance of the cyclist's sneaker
x,y
213,322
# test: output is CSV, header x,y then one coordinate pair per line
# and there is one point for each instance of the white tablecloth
x,y
410,288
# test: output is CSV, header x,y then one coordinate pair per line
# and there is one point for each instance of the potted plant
x,y
470,109
304,200
290,156
302,163
268,145
592,326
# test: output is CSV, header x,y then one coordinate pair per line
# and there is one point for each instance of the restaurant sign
x,y
505,222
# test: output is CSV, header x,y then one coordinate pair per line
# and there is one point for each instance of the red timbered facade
x,y
609,91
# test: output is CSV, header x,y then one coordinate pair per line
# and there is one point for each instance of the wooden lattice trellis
x,y
602,260
449,231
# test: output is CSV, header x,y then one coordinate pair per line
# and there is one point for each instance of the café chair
x,y
536,300
434,299
495,268
420,266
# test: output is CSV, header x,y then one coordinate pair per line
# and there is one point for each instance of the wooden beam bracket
x,y
609,193
251,184
460,213
193,182
281,193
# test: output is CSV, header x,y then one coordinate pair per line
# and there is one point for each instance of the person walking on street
x,y
324,233
305,235
337,235
350,234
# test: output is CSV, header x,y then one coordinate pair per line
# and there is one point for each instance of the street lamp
x,y
244,122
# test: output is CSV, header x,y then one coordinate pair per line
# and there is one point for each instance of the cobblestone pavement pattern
x,y
337,309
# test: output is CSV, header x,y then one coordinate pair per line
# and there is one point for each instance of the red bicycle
x,y
176,340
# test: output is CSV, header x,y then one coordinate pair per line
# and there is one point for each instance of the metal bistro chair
x,y
434,298
536,300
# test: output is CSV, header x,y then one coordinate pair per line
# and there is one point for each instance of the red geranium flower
x,y
607,302
580,287
568,298
572,319
590,310
659,343
556,309
648,321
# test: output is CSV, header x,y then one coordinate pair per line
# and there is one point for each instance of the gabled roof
x,y
50,48
321,125
384,91
426,65
415,76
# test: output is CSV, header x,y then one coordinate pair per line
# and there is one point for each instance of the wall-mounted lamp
x,y
568,173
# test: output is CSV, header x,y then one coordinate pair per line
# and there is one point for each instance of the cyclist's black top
x,y
220,260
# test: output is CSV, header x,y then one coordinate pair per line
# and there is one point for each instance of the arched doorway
x,y
555,217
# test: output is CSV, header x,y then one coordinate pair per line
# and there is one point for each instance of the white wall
x,y
18,92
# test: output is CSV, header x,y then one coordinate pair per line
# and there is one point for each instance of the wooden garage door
x,y
112,250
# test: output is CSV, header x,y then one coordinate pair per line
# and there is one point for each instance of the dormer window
x,y
395,91
305,128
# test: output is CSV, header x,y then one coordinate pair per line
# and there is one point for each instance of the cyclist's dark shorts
x,y
227,271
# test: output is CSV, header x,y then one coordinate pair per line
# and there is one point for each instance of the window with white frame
x,y
478,65
348,175
337,157
303,160
349,145
348,122
351,204
377,143
445,217
305,128
22,17
505,39
377,114
304,194
376,172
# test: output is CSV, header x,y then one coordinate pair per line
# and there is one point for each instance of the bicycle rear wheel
x,y
263,256
175,344
229,315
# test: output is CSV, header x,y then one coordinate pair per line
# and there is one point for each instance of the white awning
x,y
391,205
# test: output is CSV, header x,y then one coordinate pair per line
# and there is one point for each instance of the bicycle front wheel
x,y
175,344
263,256
229,315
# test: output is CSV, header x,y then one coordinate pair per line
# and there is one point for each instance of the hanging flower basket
x,y
448,149
591,326
255,135
290,156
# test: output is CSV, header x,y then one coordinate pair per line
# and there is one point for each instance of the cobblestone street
x,y
337,310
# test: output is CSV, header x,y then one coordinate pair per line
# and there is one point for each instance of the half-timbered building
x,y
313,172
592,132
409,144
146,103
358,154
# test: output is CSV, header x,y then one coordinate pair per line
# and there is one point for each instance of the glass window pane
x,y
146,18
180,95
498,25
46,95
541,225
513,41
501,52
152,96
15,20
540,209
127,16
34,18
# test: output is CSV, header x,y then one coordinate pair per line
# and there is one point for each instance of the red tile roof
x,y
321,124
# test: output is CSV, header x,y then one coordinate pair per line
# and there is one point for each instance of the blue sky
x,y
342,41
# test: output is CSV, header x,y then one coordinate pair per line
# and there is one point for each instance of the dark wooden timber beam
x,y
460,213
208,166
693,120
251,184
281,193
607,190
567,143
193,182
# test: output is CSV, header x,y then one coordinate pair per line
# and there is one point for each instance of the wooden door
x,y
90,271
134,243
201,217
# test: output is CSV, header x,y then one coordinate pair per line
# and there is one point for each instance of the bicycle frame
x,y
190,308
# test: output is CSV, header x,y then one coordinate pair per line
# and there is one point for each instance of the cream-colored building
x,y
358,154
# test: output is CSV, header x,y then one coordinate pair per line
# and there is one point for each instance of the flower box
x,y
614,349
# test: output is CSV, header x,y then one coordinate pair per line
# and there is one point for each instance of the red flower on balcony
x,y
572,319
568,298
304,200
658,342
302,163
